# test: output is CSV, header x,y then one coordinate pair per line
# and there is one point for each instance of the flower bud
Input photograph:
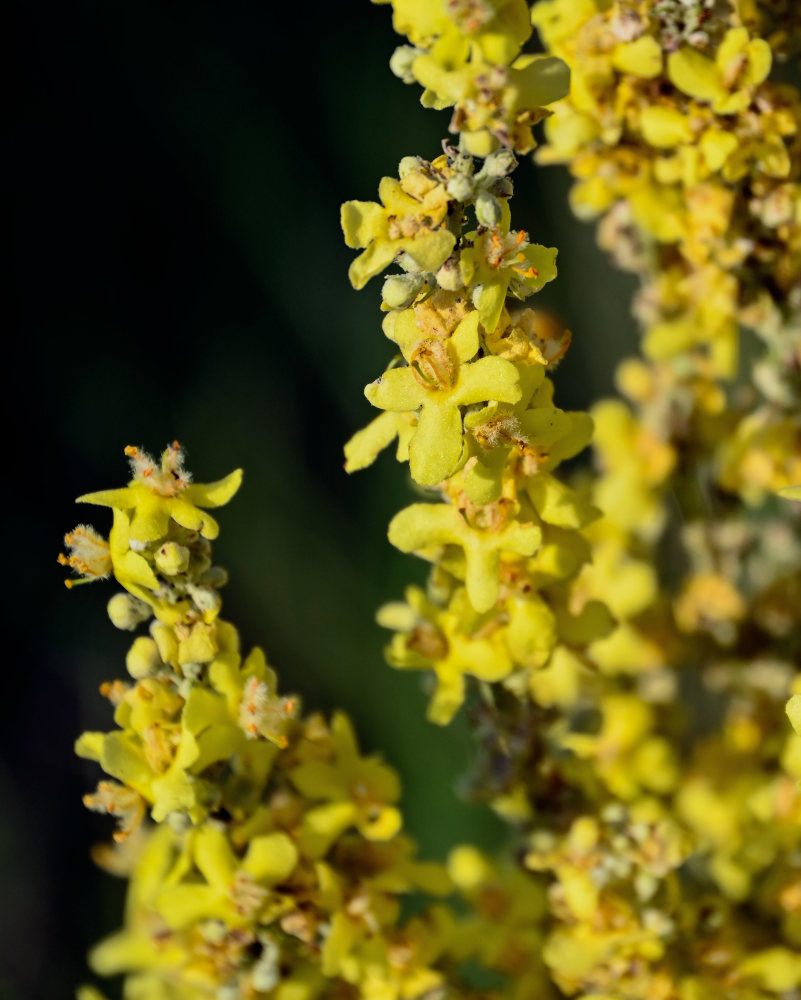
x,y
207,600
127,611
488,209
400,290
400,62
172,558
409,164
461,187
500,163
143,658
214,576
449,276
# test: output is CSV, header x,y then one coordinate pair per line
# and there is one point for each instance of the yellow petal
x,y
214,857
642,58
396,390
270,858
436,447
214,494
362,221
366,444
664,127
695,75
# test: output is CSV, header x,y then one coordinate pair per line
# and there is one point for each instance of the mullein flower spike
x,y
636,823
264,850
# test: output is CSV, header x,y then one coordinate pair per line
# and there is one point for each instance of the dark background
x,y
180,273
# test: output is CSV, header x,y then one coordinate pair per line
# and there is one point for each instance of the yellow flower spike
x,y
400,223
422,526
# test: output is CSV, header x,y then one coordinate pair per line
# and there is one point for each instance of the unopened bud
x,y
409,264
401,60
172,558
488,209
207,600
461,187
463,163
214,931
409,164
449,276
127,611
143,658
179,821
214,576
400,290
500,163
265,976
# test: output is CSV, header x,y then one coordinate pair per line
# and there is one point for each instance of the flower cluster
x,y
630,726
624,642
691,160
467,54
264,850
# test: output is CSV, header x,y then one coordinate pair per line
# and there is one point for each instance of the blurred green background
x,y
180,273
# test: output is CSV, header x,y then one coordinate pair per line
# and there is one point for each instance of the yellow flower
x,y
231,889
504,263
728,82
410,218
440,379
424,528
359,791
498,28
493,104
443,640
159,493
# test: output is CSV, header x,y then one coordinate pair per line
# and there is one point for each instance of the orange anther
x,y
148,471
521,236
131,450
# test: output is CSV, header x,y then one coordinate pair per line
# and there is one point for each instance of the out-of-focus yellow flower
x,y
727,82
358,791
